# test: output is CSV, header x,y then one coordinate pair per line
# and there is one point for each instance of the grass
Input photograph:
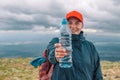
x,y
17,69
20,69
110,70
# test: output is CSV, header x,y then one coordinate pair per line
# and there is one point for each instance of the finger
x,y
59,55
57,45
60,50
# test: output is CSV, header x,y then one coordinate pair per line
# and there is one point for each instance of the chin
x,y
75,32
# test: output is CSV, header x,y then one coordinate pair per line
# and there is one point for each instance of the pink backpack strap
x,y
45,69
50,72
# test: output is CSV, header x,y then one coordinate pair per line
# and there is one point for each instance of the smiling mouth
x,y
74,30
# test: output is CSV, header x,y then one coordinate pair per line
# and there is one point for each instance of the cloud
x,y
107,15
24,15
27,14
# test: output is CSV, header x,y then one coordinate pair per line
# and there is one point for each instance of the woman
x,y
86,61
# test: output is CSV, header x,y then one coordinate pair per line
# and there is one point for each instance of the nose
x,y
72,26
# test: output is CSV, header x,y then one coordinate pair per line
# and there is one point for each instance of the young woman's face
x,y
75,25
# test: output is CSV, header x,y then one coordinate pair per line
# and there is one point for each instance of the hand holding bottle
x,y
60,52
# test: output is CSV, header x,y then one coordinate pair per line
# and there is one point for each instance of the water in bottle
x,y
65,41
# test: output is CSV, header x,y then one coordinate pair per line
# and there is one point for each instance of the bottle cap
x,y
64,21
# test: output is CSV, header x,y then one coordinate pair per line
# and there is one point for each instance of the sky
x,y
19,17
26,26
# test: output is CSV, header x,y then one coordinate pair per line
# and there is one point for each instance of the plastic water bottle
x,y
65,41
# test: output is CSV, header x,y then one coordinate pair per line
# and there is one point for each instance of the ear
x,y
82,25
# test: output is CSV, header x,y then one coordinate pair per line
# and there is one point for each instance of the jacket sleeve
x,y
97,68
51,51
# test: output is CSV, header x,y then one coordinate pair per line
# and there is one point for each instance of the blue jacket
x,y
86,61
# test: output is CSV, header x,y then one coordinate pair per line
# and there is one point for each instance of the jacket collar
x,y
76,37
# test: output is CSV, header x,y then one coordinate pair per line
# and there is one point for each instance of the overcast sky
x,y
43,15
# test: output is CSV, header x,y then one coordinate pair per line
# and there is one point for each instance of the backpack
x,y
46,68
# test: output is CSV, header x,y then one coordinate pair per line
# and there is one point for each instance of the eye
x,y
77,23
69,23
